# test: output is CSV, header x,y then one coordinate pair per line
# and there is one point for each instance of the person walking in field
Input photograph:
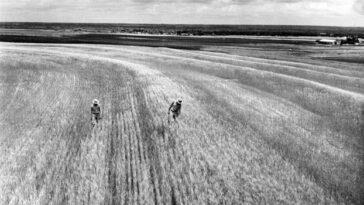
x,y
95,112
175,107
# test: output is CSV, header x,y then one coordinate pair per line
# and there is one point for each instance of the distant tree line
x,y
195,30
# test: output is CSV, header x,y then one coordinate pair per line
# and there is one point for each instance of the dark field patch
x,y
177,42
348,59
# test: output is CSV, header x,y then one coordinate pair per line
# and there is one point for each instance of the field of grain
x,y
257,126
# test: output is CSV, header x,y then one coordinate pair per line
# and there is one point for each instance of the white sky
x,y
294,12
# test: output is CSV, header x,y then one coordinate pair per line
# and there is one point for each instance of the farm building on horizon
x,y
340,40
329,41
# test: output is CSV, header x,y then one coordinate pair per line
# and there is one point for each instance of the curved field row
x,y
297,56
245,135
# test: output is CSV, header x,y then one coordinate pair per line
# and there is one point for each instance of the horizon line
x,y
44,22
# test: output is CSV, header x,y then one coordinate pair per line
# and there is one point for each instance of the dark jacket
x,y
175,107
95,110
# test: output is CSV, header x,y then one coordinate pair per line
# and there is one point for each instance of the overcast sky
x,y
295,12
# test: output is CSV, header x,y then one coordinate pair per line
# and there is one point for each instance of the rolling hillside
x,y
253,130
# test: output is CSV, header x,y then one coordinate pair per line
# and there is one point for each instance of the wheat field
x,y
253,130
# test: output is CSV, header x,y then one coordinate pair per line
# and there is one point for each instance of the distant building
x,y
346,40
329,41
351,40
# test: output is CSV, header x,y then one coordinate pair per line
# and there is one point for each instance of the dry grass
x,y
248,133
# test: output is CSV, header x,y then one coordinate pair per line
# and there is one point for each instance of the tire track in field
x,y
168,52
327,76
321,74
198,63
208,64
304,65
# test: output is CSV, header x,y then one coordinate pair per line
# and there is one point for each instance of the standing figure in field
x,y
95,112
175,107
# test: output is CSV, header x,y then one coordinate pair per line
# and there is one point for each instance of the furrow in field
x,y
138,153
124,166
128,194
122,160
238,60
145,189
133,168
255,73
231,68
134,149
332,80
312,66
351,80
165,52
